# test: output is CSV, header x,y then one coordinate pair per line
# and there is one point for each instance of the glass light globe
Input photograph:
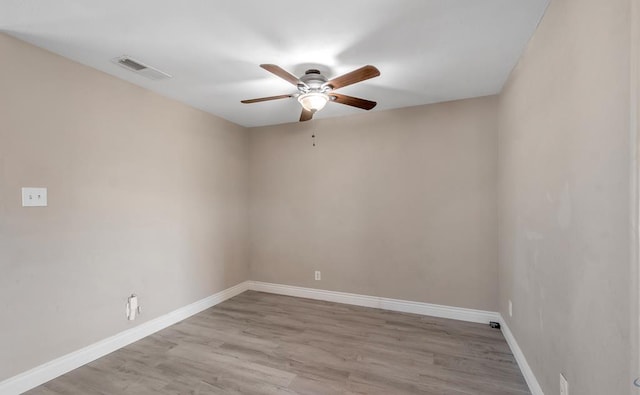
x,y
313,101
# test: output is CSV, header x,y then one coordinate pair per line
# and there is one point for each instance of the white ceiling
x,y
427,50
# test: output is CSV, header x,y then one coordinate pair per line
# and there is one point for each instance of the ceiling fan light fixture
x,y
313,101
315,90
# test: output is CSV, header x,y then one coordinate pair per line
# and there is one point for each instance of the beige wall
x,y
399,204
146,195
565,196
635,197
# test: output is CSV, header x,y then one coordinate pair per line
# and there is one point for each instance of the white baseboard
x,y
405,306
529,377
50,370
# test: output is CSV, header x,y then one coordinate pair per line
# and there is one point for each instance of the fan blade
x,y
249,101
363,73
306,115
282,73
352,101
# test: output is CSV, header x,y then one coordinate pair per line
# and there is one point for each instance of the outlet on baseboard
x,y
510,308
318,275
564,385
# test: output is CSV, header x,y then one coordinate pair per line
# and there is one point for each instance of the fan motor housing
x,y
313,79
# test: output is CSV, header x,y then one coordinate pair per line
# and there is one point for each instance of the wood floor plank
x,y
259,343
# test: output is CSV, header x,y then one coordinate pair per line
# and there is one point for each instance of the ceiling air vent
x,y
140,68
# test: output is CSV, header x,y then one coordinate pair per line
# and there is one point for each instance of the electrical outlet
x,y
564,385
133,307
510,308
318,275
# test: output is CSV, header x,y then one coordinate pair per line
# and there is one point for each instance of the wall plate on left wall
x,y
34,197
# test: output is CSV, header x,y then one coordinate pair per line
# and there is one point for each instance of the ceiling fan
x,y
315,90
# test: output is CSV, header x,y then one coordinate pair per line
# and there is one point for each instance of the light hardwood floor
x,y
258,343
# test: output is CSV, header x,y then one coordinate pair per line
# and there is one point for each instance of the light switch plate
x,y
34,197
564,385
